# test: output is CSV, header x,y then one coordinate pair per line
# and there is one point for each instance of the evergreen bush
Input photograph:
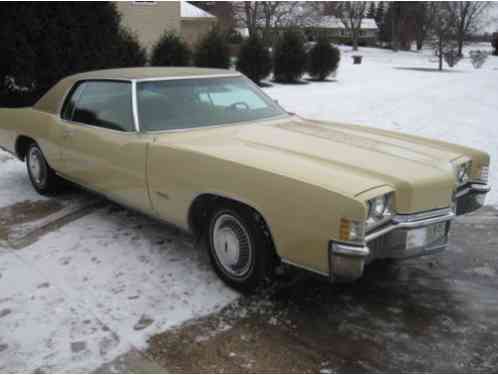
x,y
254,59
40,44
289,57
212,51
323,59
170,50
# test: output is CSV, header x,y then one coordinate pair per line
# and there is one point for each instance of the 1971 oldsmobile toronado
x,y
208,151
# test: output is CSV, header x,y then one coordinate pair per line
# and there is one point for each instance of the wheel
x,y
240,249
42,177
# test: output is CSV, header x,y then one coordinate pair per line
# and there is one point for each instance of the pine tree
x,y
254,59
42,43
170,50
289,57
212,51
323,59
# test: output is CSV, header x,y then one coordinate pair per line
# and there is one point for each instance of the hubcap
x,y
36,166
232,245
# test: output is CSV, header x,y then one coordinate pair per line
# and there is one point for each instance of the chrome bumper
x,y
470,197
346,262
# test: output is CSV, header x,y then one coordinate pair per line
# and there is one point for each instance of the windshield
x,y
193,103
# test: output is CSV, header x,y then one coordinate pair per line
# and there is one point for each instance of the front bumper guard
x,y
346,261
470,197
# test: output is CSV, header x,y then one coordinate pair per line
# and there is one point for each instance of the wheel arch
x,y
21,146
204,203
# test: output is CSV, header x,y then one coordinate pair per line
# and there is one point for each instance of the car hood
x,y
348,159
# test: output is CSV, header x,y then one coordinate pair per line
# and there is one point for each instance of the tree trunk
x,y
354,36
440,47
460,44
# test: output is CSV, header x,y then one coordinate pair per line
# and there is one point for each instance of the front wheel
x,y
239,247
42,177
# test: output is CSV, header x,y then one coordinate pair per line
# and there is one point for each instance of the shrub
x,y
254,59
289,57
49,42
170,50
212,51
128,50
451,57
323,59
478,58
235,37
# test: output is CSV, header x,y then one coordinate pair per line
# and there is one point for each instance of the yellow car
x,y
208,151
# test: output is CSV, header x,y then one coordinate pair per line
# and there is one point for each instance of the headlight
x,y
352,230
462,172
380,209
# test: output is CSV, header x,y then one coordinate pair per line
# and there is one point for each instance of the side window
x,y
106,105
70,103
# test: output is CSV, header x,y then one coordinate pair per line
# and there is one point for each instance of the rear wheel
x,y
42,177
239,247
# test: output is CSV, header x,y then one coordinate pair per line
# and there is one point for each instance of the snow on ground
x,y
96,288
401,91
14,182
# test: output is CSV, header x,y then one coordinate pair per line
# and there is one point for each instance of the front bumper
x,y
404,237
470,197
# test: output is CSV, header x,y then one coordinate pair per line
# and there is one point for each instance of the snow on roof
x,y
331,22
190,11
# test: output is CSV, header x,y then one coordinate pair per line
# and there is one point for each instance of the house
x,y
335,29
149,19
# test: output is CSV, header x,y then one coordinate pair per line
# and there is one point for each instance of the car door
x,y
101,148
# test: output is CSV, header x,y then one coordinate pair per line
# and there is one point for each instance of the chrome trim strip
x,y
402,218
134,105
474,188
354,251
410,225
225,75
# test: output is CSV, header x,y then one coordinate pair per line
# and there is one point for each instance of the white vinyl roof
x,y
190,11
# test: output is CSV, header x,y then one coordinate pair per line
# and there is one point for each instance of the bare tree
x,y
247,14
443,29
351,14
468,16
423,22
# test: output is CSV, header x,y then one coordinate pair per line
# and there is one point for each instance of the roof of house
x,y
331,22
191,11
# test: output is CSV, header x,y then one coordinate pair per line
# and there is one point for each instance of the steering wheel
x,y
236,106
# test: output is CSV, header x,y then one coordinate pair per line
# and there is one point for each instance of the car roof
x,y
52,101
150,73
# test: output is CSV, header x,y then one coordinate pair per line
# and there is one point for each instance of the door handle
x,y
66,133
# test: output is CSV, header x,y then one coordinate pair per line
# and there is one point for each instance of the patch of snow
x,y
14,182
400,91
98,287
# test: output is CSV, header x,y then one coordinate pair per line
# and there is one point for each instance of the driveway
x,y
433,314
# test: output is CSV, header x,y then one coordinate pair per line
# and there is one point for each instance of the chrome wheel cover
x,y
232,246
37,166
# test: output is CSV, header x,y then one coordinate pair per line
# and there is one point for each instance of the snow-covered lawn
x,y
96,288
459,105
101,285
